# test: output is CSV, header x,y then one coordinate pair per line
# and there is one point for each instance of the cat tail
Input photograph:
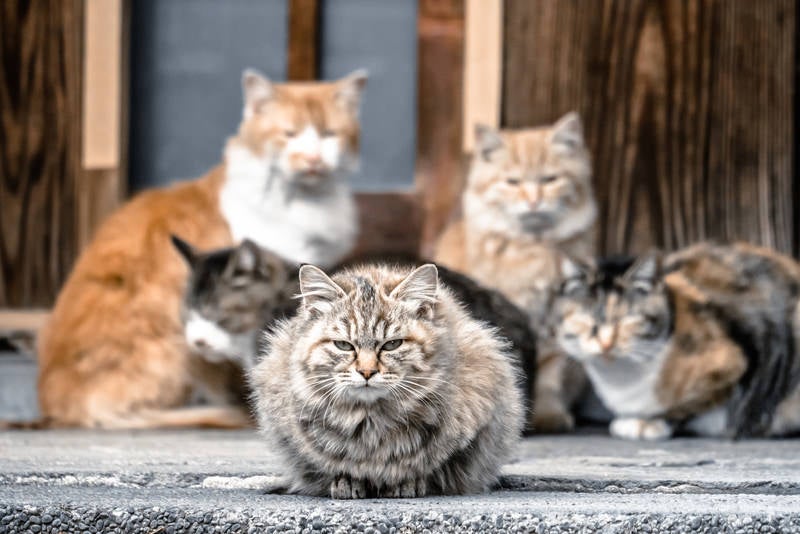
x,y
35,424
219,417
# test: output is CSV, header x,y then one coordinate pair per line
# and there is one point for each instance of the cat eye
x,y
513,181
642,287
392,345
549,178
343,345
328,133
289,133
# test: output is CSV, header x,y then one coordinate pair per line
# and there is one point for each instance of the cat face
x,y
231,294
372,331
535,181
308,131
615,311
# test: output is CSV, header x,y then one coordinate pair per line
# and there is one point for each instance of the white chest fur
x,y
627,387
302,226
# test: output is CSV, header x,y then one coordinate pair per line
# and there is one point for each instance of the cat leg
x,y
550,408
408,489
787,416
640,429
223,417
345,487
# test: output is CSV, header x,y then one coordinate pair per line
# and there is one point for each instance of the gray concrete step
x,y
216,481
17,386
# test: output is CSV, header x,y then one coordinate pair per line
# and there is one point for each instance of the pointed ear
x,y
646,269
574,274
350,88
419,287
568,130
487,140
257,89
187,251
245,257
318,291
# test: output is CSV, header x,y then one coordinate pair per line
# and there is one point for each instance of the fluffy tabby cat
x,y
113,354
705,339
383,385
528,197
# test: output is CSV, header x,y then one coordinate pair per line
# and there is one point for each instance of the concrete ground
x,y
216,481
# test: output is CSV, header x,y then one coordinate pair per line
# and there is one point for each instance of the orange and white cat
x,y
528,199
114,354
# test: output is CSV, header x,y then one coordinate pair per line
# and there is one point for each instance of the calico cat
x,y
113,355
237,293
383,385
528,198
705,338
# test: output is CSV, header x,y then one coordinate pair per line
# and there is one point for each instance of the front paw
x,y
406,490
640,429
348,488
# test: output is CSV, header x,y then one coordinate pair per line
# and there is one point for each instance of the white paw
x,y
646,429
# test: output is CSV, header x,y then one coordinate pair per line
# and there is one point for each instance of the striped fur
x,y
437,414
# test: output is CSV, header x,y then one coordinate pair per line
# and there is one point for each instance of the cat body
x,y
235,294
113,354
702,339
382,385
528,199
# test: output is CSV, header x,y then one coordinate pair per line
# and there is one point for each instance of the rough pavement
x,y
206,481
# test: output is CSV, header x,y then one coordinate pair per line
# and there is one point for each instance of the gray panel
x,y
381,36
187,57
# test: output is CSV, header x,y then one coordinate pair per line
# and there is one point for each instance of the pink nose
x,y
313,160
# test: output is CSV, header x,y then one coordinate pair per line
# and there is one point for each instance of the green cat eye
x,y
343,345
391,345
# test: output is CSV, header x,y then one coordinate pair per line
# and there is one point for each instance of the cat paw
x,y
407,489
551,422
640,429
348,488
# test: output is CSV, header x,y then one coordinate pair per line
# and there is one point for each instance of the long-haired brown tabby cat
x,y
528,197
706,338
113,354
383,385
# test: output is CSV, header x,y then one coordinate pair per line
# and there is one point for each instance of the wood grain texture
x,y
40,154
303,48
440,58
688,109
391,225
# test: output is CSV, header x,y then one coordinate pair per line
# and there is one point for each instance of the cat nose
x,y
313,160
200,343
606,336
366,373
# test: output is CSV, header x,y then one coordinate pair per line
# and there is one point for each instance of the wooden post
x,y
304,27
440,65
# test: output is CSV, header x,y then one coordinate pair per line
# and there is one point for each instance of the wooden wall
x,y
40,139
688,107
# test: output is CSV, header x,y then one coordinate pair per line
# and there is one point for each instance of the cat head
x,y
231,294
307,131
617,310
532,182
371,330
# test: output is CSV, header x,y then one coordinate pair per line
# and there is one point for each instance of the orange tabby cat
x,y
114,354
528,197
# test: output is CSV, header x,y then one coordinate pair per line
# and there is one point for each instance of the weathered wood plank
x,y
303,50
688,109
40,151
440,58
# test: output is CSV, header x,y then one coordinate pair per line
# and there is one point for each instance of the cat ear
x,y
318,291
257,89
487,140
573,273
646,270
568,130
187,251
350,88
420,287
